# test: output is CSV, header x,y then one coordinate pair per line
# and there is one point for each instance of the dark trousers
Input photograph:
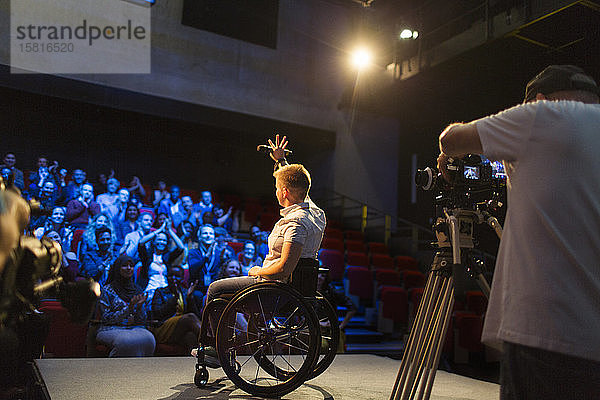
x,y
531,373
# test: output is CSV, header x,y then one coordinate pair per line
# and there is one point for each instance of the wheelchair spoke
x,y
287,362
291,346
239,346
261,309
291,315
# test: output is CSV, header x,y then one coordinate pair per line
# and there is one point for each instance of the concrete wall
x,y
300,82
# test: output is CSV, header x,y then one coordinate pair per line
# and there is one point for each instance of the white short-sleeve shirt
x,y
302,223
546,287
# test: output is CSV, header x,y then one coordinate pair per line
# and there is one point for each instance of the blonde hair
x,y
295,178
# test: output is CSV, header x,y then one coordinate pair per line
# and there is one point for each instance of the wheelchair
x,y
271,337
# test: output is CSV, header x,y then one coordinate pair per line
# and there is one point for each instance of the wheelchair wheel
x,y
268,340
330,334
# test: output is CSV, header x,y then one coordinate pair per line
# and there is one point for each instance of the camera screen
x,y
498,170
471,172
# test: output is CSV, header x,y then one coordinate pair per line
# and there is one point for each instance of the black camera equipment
x,y
472,180
468,199
30,268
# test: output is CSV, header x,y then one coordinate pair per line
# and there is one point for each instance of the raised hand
x,y
278,148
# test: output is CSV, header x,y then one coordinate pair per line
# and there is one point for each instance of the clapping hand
x,y
192,288
137,300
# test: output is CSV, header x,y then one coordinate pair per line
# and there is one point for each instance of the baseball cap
x,y
556,78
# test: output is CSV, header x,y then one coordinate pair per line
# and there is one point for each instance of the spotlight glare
x,y
361,58
415,34
406,34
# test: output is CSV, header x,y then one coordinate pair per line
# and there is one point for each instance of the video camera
x,y
29,269
473,180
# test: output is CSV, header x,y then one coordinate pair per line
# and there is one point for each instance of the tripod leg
x,y
439,343
433,335
415,331
421,331
423,349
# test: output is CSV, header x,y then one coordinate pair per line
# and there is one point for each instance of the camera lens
x,y
425,178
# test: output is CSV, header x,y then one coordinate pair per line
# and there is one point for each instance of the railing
x,y
354,214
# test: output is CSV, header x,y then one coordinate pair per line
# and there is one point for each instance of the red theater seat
x,y
476,302
354,235
252,209
379,248
355,245
406,262
387,277
360,283
332,244
334,260
412,279
357,259
382,261
333,233
468,328
238,247
77,238
395,304
65,338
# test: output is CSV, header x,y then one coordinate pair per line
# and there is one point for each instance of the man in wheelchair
x,y
295,239
271,318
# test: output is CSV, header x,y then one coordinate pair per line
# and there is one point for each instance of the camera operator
x,y
543,305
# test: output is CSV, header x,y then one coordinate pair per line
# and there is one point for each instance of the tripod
x,y
454,232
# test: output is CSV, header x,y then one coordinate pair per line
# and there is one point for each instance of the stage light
x,y
408,34
361,58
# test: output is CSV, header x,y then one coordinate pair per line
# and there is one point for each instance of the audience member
x,y
47,200
70,264
42,162
187,234
156,260
38,180
174,306
229,268
160,194
73,189
106,200
136,189
204,261
132,213
80,210
205,204
57,223
9,163
118,209
172,205
222,218
161,218
260,240
223,249
123,315
185,212
132,239
248,257
95,262
89,235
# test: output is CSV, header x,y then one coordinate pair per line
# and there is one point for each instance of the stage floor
x,y
350,377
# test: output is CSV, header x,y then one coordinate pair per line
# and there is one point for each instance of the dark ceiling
x,y
493,76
